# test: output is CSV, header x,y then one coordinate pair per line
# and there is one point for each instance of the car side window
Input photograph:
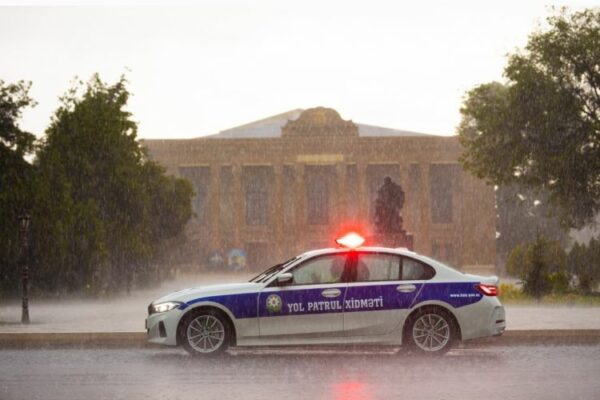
x,y
319,270
373,267
413,270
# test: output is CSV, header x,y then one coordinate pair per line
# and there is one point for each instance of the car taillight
x,y
487,290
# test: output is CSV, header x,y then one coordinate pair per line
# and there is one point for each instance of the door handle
x,y
331,292
407,288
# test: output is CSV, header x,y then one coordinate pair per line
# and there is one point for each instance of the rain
x,y
299,200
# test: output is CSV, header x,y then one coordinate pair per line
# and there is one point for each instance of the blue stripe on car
x,y
457,294
244,305
240,305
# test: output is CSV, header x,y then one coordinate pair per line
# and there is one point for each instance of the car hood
x,y
210,290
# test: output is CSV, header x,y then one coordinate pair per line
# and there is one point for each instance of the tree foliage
x,y
584,264
541,266
15,174
522,213
103,210
542,128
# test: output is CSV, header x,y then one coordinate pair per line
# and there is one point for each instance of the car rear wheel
x,y
205,333
431,332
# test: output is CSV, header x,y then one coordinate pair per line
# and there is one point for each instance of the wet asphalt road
x,y
528,372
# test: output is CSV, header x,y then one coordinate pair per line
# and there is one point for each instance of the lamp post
x,y
24,220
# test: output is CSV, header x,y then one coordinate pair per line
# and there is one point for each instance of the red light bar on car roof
x,y
350,240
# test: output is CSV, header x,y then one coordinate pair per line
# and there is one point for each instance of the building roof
x,y
271,128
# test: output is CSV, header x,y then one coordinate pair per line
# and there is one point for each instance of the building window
x,y
289,196
442,179
318,180
200,179
199,204
318,203
257,183
226,201
352,192
256,206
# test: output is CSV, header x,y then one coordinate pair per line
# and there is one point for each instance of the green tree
x,y
541,266
594,256
522,213
15,176
103,209
584,263
541,129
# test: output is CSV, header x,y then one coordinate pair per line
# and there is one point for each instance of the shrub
x,y
584,263
541,266
559,282
510,292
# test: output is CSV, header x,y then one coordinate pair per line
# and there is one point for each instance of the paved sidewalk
x,y
127,313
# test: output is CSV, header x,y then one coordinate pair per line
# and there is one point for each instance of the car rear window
x,y
413,270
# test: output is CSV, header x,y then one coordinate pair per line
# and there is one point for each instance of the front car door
x,y
311,305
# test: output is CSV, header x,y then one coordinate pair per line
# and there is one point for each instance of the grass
x,y
512,294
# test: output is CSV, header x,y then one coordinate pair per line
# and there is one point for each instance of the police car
x,y
347,295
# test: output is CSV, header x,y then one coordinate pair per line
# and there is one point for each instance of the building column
x,y
403,176
363,194
214,195
300,208
342,198
277,212
424,244
238,205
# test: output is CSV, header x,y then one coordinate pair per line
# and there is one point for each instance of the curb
x,y
39,340
139,339
540,337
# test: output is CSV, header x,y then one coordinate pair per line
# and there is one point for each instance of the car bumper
x,y
482,319
162,327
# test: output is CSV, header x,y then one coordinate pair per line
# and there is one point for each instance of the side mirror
x,y
285,278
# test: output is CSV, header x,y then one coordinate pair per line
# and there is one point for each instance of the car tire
x,y
430,331
205,333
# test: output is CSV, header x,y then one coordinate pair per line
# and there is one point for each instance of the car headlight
x,y
163,307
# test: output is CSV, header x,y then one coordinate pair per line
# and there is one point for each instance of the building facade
x,y
290,183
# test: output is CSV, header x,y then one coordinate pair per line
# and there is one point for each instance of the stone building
x,y
289,183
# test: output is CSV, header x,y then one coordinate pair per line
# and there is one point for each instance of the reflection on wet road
x,y
532,372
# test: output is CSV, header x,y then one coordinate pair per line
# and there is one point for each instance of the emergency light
x,y
350,240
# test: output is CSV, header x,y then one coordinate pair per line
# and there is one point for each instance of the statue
x,y
389,202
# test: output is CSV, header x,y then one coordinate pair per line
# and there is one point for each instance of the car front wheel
x,y
205,333
431,332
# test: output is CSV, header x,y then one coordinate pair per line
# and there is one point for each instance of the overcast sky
x,y
198,70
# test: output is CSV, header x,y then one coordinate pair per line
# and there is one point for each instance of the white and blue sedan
x,y
364,295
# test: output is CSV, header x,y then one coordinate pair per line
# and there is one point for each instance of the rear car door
x,y
378,298
311,305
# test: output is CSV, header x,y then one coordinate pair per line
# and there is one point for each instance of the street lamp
x,y
24,220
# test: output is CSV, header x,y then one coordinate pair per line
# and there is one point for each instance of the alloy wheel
x,y
431,332
205,334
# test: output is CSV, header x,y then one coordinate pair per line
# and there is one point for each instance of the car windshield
x,y
264,276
